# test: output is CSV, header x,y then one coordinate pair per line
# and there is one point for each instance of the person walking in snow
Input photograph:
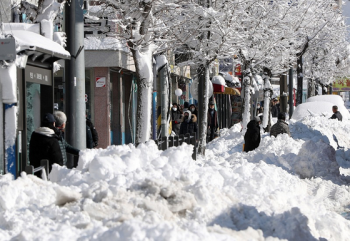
x,y
61,120
252,136
176,118
91,134
44,144
212,120
193,109
336,114
275,108
189,123
281,126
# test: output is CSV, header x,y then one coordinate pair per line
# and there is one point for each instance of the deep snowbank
x,y
124,192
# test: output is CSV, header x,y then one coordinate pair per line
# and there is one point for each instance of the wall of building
x,y
102,107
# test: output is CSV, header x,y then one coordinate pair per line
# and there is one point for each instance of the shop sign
x,y
342,84
38,75
238,70
100,81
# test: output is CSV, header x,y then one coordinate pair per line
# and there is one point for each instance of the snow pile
x,y
129,193
330,131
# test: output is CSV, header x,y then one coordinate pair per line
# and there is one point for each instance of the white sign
x,y
100,81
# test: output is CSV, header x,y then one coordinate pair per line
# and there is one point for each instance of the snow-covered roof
x,y
33,41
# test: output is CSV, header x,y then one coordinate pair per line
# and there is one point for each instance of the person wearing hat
x,y
44,144
189,123
275,108
281,126
193,109
252,136
186,105
176,118
212,120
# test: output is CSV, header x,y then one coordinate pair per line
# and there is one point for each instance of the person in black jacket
x,y
176,117
275,110
61,120
189,123
212,120
91,135
252,136
44,144
336,114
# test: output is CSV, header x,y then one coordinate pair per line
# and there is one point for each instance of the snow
x,y
218,79
35,28
160,61
289,188
107,43
27,39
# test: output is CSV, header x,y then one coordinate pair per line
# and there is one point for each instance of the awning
x,y
37,47
229,91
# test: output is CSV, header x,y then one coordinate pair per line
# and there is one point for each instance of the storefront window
x,y
33,111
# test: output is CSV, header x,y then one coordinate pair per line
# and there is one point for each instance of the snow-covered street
x,y
288,188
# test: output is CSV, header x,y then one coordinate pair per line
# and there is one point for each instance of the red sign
x,y
238,70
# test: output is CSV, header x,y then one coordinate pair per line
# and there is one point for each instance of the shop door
x,y
37,99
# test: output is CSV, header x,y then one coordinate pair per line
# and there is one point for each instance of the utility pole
x,y
75,77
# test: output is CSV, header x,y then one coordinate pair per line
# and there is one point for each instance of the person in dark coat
x,y
44,144
61,120
91,135
281,126
176,118
259,109
188,124
212,120
252,136
275,110
186,105
336,114
193,109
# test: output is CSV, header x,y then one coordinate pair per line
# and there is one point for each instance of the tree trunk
x,y
299,80
203,75
143,64
266,122
246,111
311,88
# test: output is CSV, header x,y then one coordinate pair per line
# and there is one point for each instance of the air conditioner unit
x,y
7,49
